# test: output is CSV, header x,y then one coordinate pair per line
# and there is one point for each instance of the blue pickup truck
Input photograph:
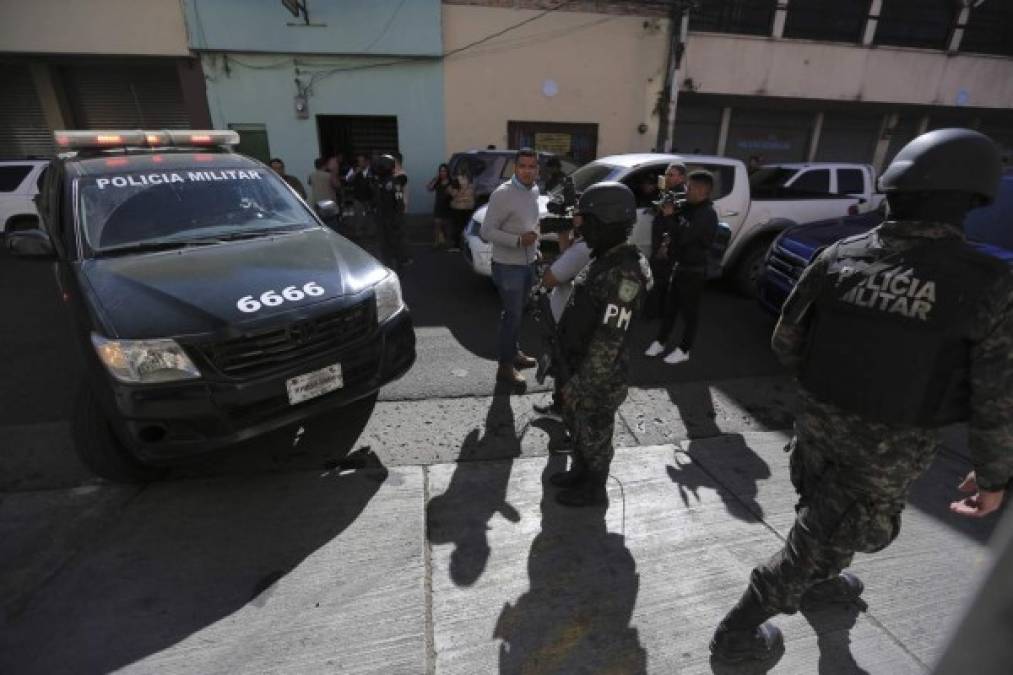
x,y
989,228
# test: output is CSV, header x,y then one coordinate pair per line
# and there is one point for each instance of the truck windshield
x,y
769,181
139,208
588,175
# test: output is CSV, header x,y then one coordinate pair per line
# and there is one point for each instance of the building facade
x,y
785,80
341,77
101,64
843,80
582,82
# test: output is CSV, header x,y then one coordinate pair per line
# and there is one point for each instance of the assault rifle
x,y
551,362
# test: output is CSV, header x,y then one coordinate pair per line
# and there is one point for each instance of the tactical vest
x,y
584,313
891,330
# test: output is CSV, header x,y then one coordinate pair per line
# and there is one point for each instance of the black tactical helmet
x,y
946,160
384,164
609,203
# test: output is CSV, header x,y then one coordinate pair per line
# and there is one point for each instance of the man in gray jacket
x,y
511,226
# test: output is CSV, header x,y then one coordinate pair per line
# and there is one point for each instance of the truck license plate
x,y
319,382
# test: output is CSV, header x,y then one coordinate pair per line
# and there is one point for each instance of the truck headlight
x,y
388,298
144,361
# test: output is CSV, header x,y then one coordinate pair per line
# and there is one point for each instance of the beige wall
x,y
723,64
609,70
124,27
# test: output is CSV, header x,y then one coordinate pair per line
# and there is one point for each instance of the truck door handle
x,y
730,213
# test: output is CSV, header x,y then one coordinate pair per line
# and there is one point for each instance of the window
x,y
816,181
831,20
253,141
644,183
768,182
724,178
916,23
746,17
11,176
850,181
989,30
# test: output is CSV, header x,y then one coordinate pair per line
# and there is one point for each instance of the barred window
x,y
989,30
747,17
916,23
830,20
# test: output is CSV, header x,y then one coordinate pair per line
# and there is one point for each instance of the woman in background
x,y
440,185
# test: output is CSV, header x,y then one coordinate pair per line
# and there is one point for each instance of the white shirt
x,y
565,269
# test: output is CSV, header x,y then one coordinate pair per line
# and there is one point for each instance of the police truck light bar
x,y
78,140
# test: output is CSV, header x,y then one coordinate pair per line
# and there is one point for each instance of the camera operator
x,y
672,191
688,249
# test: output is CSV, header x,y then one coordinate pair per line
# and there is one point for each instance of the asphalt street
x,y
422,538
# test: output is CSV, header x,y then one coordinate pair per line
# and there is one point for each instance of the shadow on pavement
x,y
833,627
575,617
181,560
696,409
477,492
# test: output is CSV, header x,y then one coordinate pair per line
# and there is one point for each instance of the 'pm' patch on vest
x,y
893,291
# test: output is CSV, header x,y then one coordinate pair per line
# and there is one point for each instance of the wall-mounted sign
x,y
559,144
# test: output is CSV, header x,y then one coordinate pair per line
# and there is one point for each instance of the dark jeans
x,y
684,295
513,282
661,270
391,230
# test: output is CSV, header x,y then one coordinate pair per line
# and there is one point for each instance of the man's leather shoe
x,y
509,375
522,360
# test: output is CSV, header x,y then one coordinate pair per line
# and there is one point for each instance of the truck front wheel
x,y
100,449
749,268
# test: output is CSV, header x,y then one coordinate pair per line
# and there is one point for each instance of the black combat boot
x,y
745,635
590,492
842,589
572,478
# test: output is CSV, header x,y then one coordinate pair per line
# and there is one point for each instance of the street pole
x,y
680,13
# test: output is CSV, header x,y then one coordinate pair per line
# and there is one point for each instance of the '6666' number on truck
x,y
248,304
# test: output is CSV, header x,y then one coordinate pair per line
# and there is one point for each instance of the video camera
x,y
561,208
676,199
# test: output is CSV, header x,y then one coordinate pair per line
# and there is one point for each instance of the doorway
x,y
351,135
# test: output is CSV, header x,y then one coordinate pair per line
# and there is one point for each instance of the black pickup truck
x,y
210,301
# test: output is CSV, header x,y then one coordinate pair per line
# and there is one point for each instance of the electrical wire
x,y
386,27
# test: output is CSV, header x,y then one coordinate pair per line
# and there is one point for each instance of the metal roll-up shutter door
x,y
372,134
23,127
126,96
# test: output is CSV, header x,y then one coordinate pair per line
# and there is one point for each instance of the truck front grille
x,y
786,263
264,351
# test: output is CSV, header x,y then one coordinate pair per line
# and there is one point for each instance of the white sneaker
x,y
677,356
655,349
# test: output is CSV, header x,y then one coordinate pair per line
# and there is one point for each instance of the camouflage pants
x,y
832,523
591,421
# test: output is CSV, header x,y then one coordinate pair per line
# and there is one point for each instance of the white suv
x,y
19,183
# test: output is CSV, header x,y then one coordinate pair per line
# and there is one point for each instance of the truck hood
x,y
804,240
196,291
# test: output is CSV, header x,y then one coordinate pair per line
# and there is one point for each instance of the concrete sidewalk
x,y
332,571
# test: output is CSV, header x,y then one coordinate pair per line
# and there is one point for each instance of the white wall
x,y
133,27
743,65
609,70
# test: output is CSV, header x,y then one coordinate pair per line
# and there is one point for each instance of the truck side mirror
x,y
30,244
327,209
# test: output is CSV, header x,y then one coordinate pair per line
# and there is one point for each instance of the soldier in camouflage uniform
x,y
594,334
894,333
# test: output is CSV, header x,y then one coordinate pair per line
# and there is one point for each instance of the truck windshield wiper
x,y
254,234
154,245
